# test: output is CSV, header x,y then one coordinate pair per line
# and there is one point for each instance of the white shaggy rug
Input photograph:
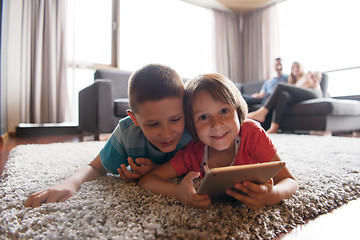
x,y
327,169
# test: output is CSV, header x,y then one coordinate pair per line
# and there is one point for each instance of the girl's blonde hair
x,y
220,88
292,79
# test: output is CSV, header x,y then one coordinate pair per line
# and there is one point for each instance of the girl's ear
x,y
132,116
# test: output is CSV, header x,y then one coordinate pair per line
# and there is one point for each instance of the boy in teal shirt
x,y
153,130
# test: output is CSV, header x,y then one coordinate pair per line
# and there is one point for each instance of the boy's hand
x,y
58,193
187,193
140,168
252,195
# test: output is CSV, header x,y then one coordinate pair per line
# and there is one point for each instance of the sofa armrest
x,y
96,108
350,97
119,81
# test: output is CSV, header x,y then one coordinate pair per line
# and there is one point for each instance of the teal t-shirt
x,y
127,140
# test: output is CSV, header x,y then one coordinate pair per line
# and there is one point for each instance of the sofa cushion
x,y
325,106
120,107
250,88
320,123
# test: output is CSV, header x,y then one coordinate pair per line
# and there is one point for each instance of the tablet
x,y
218,180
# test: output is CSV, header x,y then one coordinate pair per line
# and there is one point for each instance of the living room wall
x,y
2,88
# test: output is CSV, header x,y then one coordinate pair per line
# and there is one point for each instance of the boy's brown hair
x,y
153,82
220,88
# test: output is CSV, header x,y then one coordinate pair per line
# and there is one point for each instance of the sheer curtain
x,y
260,45
247,46
44,97
227,48
271,42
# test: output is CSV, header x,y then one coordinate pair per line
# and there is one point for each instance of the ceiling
x,y
240,7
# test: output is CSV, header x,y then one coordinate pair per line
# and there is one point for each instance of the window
x,y
322,35
174,33
89,31
89,35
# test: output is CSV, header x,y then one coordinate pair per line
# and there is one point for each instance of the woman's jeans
x,y
286,94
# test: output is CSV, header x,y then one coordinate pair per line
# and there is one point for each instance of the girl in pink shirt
x,y
215,115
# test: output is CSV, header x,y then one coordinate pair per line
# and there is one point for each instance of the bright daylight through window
x,y
320,34
174,33
88,43
323,35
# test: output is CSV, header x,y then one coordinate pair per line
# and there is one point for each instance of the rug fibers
x,y
327,169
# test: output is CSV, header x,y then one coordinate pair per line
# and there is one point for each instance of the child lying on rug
x,y
215,114
153,130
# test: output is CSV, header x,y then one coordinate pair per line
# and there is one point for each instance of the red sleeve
x,y
256,145
188,159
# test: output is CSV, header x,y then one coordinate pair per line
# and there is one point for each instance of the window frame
x,y
115,45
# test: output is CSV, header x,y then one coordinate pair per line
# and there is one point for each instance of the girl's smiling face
x,y
216,122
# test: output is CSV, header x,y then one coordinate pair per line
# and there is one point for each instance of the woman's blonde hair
x,y
220,88
292,79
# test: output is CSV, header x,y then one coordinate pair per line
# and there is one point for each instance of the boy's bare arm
x,y
67,188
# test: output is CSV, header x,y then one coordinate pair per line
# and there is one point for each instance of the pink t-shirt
x,y
255,147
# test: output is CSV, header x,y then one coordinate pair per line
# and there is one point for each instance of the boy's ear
x,y
132,116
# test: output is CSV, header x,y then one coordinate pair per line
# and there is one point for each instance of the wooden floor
x,y
341,223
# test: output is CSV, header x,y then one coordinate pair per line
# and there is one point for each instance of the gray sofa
x,y
104,103
338,114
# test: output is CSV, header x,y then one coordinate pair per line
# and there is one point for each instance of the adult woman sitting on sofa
x,y
300,87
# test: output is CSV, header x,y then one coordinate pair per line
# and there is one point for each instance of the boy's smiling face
x,y
162,122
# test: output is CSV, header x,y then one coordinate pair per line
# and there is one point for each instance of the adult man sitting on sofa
x,y
268,86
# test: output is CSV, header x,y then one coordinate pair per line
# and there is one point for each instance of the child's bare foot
x,y
258,115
